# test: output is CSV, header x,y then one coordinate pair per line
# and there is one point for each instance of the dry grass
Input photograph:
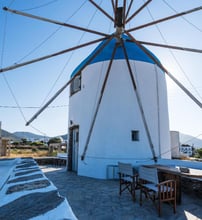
x,y
28,153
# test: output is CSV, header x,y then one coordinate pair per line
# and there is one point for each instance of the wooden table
x,y
166,172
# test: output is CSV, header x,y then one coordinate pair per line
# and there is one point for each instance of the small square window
x,y
75,85
135,135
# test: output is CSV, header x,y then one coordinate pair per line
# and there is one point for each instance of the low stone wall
x,y
56,161
192,186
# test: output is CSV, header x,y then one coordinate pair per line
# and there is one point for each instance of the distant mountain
x,y
32,137
190,140
17,136
65,137
28,135
9,135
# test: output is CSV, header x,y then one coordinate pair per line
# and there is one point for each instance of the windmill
x,y
117,46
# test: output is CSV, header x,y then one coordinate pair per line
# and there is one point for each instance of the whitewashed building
x,y
175,144
186,150
124,120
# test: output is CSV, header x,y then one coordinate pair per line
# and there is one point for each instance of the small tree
x,y
23,141
199,153
54,140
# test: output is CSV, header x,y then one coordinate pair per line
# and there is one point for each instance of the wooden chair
x,y
149,185
128,180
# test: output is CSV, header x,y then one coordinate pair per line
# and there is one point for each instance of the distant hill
x,y
17,136
190,140
29,136
9,135
65,137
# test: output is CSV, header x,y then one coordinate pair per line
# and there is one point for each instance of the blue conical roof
x,y
134,52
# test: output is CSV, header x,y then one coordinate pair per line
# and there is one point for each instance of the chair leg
x,y
119,187
159,208
140,197
133,192
174,206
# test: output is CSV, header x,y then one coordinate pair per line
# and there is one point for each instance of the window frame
x,y
75,85
135,135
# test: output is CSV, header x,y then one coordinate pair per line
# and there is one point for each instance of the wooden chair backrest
x,y
149,174
125,168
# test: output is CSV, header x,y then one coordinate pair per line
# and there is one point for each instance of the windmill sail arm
x,y
165,19
98,104
103,11
49,101
60,90
184,89
166,71
124,13
139,104
53,21
129,7
113,6
50,55
171,46
138,11
116,6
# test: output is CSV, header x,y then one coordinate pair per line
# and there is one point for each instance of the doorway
x,y
73,148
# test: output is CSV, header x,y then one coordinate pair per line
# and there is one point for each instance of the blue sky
x,y
23,39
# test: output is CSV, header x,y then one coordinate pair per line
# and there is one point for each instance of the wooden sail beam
x,y
115,12
103,11
50,55
139,102
165,19
138,11
54,21
98,104
129,7
165,70
124,13
170,46
61,90
116,4
113,6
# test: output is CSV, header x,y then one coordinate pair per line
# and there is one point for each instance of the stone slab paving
x,y
30,205
93,199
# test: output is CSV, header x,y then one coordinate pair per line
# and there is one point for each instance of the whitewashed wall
x,y
119,114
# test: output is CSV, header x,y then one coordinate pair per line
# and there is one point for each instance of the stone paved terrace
x,y
27,194
93,199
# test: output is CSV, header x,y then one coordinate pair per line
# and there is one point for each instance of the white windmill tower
x,y
118,98
118,109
